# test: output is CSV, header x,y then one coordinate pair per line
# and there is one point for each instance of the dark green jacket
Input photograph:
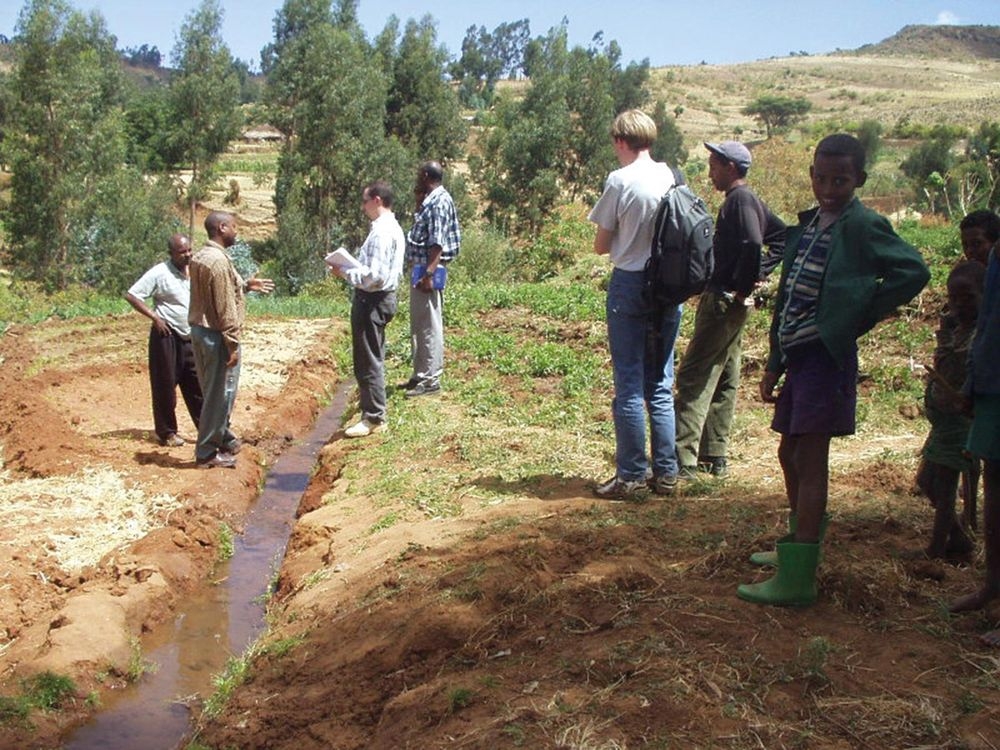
x,y
870,271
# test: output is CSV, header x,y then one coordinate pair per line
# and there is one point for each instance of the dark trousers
x,y
171,364
370,314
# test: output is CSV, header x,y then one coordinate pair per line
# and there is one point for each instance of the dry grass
x,y
80,518
886,89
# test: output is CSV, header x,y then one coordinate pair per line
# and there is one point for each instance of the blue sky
x,y
668,32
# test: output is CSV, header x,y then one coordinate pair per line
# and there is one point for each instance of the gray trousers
x,y
707,380
427,335
218,386
370,313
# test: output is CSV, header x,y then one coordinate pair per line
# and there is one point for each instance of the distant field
x,y
845,88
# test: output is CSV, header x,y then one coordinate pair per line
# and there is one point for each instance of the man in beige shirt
x,y
216,315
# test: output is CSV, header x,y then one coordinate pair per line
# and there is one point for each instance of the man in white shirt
x,y
375,279
171,360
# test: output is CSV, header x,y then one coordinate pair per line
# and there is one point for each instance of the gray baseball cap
x,y
733,151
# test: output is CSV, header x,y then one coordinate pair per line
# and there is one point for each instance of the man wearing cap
x,y
709,372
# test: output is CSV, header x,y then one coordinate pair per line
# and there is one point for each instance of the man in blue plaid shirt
x,y
433,241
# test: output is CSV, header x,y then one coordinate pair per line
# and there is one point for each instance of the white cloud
x,y
947,18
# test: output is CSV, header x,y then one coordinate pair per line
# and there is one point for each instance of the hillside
x,y
842,89
945,42
453,583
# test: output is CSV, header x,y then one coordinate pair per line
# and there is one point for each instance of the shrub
x,y
563,238
780,176
940,244
486,255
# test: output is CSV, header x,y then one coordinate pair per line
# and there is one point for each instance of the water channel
x,y
219,622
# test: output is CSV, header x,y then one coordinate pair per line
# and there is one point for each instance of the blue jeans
x,y
643,381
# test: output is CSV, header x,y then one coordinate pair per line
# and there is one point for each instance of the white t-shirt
x,y
627,209
170,291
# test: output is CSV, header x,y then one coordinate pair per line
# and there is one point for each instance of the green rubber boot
x,y
794,584
769,559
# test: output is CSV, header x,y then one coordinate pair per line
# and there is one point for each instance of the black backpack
x,y
680,259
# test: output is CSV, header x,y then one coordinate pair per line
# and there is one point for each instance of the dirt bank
x,y
101,529
529,615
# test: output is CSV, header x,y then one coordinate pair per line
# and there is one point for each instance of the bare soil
x,y
551,619
548,620
102,531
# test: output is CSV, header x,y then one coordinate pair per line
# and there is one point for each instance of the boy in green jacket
x,y
844,269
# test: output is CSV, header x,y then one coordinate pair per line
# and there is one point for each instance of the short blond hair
x,y
634,127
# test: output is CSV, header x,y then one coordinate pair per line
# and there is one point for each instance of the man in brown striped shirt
x,y
216,315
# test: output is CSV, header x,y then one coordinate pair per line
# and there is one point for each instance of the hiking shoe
x,y
663,485
687,472
364,428
172,441
411,383
422,389
621,489
220,460
232,447
714,465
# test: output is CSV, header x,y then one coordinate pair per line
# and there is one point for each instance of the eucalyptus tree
x,y
422,109
488,56
76,212
326,91
204,97
669,143
552,145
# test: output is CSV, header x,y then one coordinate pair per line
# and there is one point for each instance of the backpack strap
x,y
661,218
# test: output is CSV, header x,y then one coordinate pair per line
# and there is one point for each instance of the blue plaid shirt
x,y
436,223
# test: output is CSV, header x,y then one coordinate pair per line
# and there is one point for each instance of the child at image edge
x,y
944,458
944,455
982,388
844,269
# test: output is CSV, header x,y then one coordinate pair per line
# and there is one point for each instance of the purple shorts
x,y
818,397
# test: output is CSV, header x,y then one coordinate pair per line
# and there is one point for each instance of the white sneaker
x,y
364,428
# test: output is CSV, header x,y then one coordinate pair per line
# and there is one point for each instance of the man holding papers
x,y
374,274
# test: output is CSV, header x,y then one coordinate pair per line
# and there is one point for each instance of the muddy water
x,y
220,622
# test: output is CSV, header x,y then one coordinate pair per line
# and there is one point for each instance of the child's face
x,y
976,245
963,298
834,179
